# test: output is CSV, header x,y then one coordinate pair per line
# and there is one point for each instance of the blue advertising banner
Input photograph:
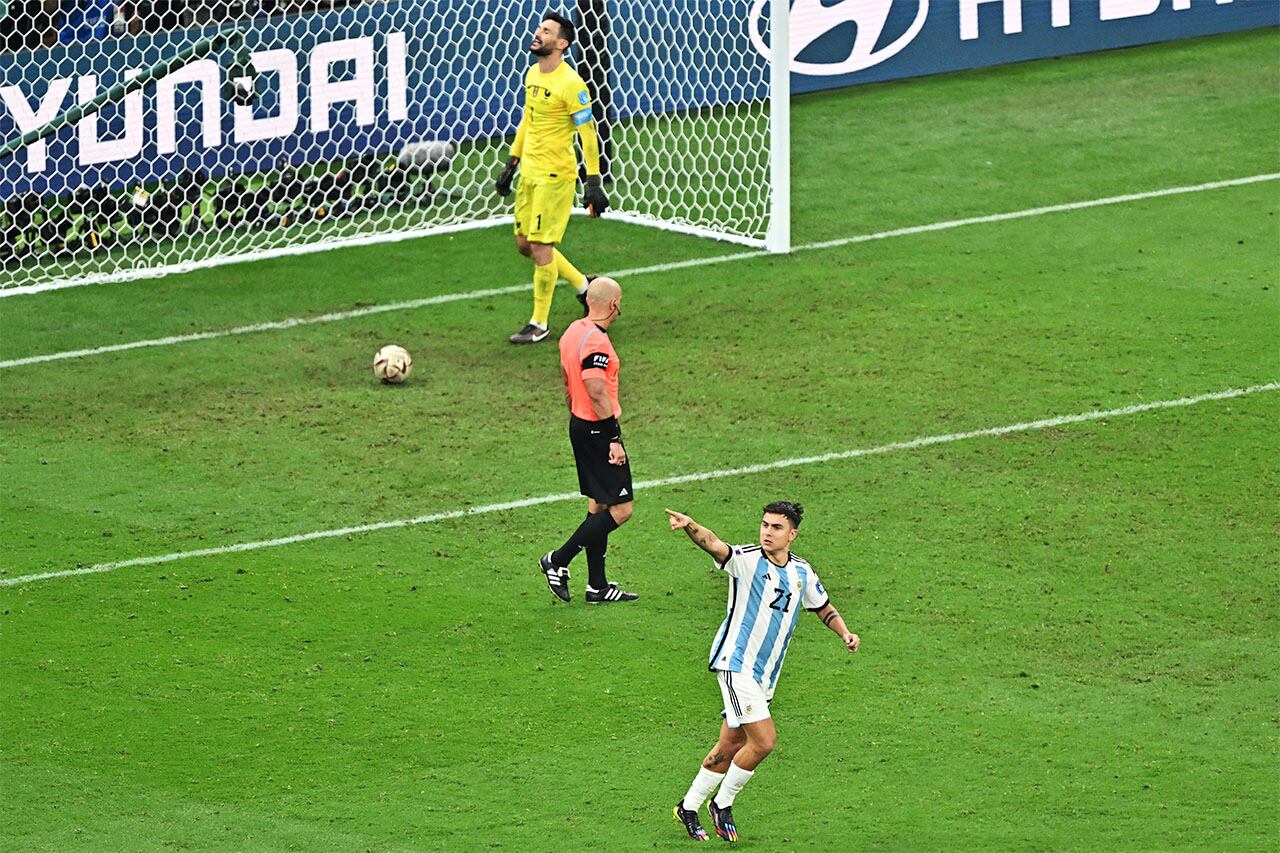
x,y
866,41
371,77
367,78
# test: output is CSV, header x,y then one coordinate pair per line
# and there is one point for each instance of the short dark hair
x,y
566,25
793,511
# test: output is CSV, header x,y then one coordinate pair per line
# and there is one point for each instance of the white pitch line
x,y
267,327
656,268
912,444
351,242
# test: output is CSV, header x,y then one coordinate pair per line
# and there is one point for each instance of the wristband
x,y
611,428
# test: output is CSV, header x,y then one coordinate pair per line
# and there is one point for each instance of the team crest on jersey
x,y
583,98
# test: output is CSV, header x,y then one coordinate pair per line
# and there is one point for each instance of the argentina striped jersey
x,y
765,601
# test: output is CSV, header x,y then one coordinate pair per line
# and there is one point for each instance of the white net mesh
x,y
372,121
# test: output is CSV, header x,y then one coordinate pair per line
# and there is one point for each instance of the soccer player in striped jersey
x,y
768,586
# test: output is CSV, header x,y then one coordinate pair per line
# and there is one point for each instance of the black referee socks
x,y
594,530
596,578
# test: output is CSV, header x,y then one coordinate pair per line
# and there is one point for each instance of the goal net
x,y
370,122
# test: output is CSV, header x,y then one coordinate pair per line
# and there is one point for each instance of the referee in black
x,y
590,365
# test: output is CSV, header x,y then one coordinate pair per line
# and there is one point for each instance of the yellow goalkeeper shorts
x,y
543,208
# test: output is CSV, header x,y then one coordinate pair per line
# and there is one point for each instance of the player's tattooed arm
x,y
833,620
704,538
701,536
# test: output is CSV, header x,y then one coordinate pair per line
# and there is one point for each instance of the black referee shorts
x,y
607,484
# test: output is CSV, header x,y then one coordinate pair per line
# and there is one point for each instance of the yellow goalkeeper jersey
x,y
556,105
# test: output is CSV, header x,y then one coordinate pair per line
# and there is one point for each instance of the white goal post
x,y
371,122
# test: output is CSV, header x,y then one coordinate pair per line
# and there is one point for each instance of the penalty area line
x,y
912,444
366,311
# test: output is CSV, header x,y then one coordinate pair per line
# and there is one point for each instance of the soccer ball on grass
x,y
392,364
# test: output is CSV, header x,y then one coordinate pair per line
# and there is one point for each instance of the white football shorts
x,y
745,699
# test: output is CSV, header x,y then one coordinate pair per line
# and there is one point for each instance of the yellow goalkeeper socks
x,y
568,271
544,287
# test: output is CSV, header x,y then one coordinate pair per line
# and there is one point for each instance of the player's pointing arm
x,y
702,537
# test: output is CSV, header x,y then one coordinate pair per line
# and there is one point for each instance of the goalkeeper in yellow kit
x,y
556,104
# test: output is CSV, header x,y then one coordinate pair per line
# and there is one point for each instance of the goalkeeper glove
x,y
593,196
503,185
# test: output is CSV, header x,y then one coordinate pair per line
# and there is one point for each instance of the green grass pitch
x,y
1069,634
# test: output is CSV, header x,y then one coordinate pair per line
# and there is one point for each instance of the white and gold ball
x,y
392,364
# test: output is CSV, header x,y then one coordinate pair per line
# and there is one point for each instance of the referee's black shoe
x,y
557,577
582,295
692,825
608,595
722,820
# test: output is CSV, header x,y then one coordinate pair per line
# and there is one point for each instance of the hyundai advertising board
x,y
374,76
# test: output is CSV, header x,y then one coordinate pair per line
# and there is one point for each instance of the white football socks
x,y
703,784
734,781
